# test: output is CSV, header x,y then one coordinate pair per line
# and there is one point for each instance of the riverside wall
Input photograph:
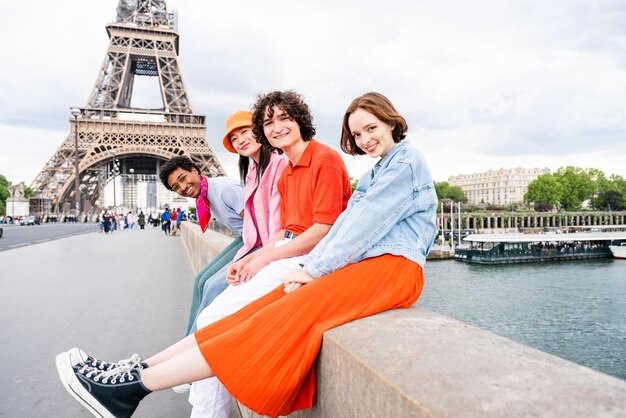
x,y
416,363
492,222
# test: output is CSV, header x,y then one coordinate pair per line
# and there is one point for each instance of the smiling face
x,y
244,143
371,134
184,182
280,129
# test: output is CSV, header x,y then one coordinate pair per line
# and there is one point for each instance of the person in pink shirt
x,y
260,168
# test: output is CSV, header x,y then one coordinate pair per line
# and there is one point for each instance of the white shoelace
x,y
109,366
117,371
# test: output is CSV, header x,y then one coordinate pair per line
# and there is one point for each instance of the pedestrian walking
x,y
141,220
166,221
130,220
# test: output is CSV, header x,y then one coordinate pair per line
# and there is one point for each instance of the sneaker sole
x,y
74,388
184,388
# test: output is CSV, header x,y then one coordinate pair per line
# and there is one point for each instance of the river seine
x,y
575,309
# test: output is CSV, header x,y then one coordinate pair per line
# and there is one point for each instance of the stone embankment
x,y
416,363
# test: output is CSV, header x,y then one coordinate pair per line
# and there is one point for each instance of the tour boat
x,y
527,248
618,251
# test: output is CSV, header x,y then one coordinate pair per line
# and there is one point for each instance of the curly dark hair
x,y
379,106
289,102
171,165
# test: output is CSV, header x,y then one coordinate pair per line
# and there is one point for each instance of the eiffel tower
x,y
115,139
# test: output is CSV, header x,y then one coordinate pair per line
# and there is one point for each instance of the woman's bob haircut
x,y
379,106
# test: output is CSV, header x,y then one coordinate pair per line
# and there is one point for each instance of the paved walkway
x,y
110,295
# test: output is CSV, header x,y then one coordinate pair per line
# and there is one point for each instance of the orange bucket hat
x,y
235,121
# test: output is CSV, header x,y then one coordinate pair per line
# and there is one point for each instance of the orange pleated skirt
x,y
265,353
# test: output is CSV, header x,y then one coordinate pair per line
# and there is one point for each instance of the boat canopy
x,y
549,237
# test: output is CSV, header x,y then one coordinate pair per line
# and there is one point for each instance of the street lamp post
x,y
13,205
113,169
132,189
76,113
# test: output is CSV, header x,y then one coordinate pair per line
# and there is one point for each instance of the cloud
x,y
483,85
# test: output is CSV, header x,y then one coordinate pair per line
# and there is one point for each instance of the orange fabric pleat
x,y
265,353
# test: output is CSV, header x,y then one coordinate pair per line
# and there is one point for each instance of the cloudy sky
x,y
483,85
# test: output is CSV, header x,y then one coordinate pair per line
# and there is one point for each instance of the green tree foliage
x,y
610,193
570,186
441,188
353,183
4,194
578,186
456,194
619,182
445,191
28,192
611,199
546,189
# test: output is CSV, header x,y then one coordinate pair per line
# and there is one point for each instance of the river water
x,y
574,309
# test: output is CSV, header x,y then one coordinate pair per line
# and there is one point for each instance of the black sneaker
x,y
112,393
79,358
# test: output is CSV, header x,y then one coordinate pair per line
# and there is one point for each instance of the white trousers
x,y
209,397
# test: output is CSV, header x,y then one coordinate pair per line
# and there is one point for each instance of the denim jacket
x,y
392,211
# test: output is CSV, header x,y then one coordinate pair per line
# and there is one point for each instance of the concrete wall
x,y
201,248
416,363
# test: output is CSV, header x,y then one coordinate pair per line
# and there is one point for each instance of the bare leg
x,y
187,366
172,351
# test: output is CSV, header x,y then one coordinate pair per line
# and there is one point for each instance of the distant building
x,y
501,187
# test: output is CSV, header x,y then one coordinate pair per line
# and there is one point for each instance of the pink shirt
x,y
261,220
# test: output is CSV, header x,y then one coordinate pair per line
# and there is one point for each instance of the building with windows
x,y
497,187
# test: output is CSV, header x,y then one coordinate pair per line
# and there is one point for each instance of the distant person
x,y
370,261
166,221
177,221
155,219
106,221
130,220
100,221
173,217
141,219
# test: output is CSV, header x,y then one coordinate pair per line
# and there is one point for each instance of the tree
x,y
578,186
28,192
4,194
353,183
456,194
445,191
619,182
611,199
546,189
440,189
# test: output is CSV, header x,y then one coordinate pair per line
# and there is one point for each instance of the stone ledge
x,y
201,248
416,363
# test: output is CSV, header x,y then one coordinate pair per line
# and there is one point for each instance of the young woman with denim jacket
x,y
370,261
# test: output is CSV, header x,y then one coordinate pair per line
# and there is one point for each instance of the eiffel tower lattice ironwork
x,y
143,41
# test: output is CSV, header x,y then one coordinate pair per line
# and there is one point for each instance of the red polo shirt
x,y
314,190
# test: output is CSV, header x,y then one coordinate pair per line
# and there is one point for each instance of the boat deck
x,y
527,248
